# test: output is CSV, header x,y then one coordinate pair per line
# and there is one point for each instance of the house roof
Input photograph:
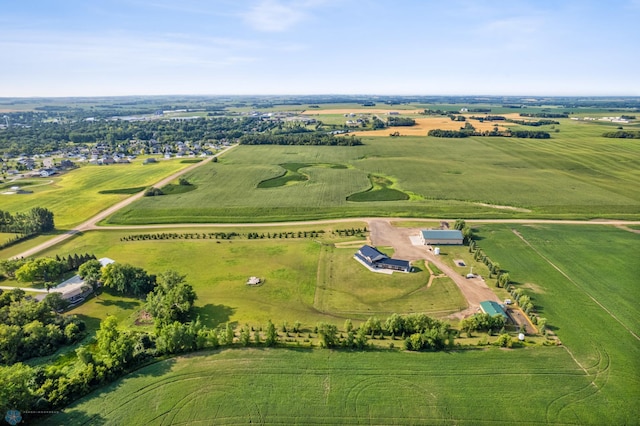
x,y
440,234
492,308
372,253
405,264
104,261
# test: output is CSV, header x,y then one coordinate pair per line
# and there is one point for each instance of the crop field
x,y
575,174
329,387
75,196
584,280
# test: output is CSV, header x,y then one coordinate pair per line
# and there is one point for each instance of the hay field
x,y
424,124
360,111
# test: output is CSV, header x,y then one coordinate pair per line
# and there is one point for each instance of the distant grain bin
x,y
436,251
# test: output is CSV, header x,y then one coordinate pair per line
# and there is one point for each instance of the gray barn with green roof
x,y
441,237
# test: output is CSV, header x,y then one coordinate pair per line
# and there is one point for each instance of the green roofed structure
x,y
493,308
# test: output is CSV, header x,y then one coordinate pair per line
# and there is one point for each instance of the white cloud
x,y
277,15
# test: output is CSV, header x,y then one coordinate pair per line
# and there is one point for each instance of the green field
x,y
575,174
584,280
591,379
291,268
348,289
75,196
327,387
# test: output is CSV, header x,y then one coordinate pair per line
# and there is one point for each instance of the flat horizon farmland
x,y
575,174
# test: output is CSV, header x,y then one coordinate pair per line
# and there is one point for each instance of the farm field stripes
x,y
577,285
591,277
289,386
560,177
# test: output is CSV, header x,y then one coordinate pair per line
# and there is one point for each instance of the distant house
x,y
149,160
374,259
493,308
47,172
441,237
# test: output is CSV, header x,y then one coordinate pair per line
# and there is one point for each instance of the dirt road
x,y
475,290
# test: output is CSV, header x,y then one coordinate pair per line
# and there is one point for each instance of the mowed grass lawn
x,y
74,196
287,386
584,280
290,268
346,288
577,173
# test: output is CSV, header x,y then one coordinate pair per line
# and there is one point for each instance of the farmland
x,y
580,278
586,381
561,177
327,387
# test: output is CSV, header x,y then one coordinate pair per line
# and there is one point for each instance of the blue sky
x,y
404,47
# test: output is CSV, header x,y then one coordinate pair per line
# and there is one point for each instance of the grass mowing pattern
x,y
133,190
327,387
348,289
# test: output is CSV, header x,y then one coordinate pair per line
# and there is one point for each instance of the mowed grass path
x,y
575,174
286,386
592,263
74,196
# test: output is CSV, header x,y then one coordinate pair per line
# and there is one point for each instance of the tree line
x,y
43,270
400,121
35,221
622,134
526,134
299,139
545,114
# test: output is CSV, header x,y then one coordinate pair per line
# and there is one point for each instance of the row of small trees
x,y
181,236
350,232
464,133
224,235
